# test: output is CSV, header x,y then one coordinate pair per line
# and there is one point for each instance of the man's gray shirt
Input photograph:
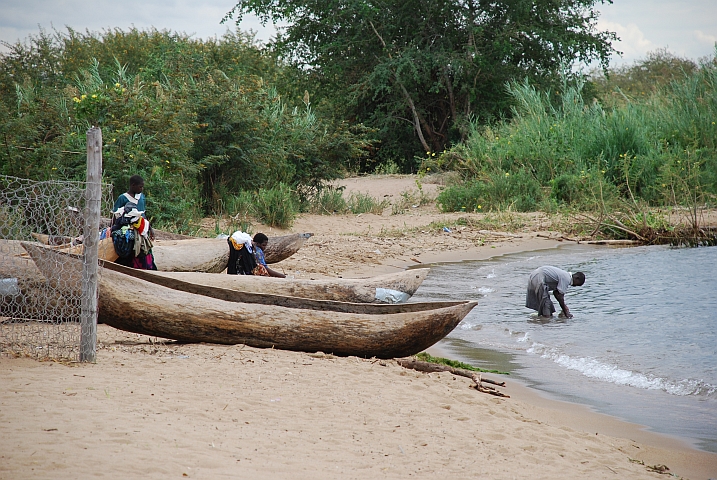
x,y
554,278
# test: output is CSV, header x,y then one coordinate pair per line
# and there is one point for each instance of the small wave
x,y
491,274
593,368
484,290
470,325
524,338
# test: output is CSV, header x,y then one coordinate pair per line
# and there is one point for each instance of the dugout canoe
x,y
358,297
139,306
211,255
390,288
195,254
24,290
51,262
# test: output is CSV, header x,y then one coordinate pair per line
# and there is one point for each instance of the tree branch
x,y
406,96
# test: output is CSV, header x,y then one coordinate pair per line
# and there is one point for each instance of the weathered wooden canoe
x,y
390,288
64,271
139,306
193,254
24,293
284,246
105,248
225,291
211,255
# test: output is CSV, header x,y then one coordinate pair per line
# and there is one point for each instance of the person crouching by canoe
x,y
246,255
545,279
260,242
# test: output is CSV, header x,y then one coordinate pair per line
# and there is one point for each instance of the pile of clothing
x,y
130,236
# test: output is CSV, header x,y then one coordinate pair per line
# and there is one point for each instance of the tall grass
x,y
561,151
328,201
276,207
365,203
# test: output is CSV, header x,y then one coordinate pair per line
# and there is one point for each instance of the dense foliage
x,y
201,121
419,70
557,151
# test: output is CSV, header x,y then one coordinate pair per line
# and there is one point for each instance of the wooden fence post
x,y
93,198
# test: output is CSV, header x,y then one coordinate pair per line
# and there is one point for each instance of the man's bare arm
x,y
561,300
274,273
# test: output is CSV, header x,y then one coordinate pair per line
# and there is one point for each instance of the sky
x,y
687,28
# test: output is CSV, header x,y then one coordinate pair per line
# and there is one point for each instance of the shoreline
x,y
538,233
678,453
656,448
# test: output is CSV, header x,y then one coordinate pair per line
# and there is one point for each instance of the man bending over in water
x,y
545,279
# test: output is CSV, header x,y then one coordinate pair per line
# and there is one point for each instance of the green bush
x,y
468,197
199,119
277,207
328,201
241,206
500,190
365,203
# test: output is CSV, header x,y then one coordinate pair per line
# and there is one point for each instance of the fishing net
x,y
41,298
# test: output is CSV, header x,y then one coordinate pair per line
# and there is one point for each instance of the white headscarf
x,y
241,237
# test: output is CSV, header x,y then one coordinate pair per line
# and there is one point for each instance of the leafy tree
x,y
640,79
201,121
419,70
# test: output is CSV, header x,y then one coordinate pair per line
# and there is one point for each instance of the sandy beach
x,y
150,408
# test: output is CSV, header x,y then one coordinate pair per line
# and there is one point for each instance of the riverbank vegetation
x,y
619,156
208,124
230,127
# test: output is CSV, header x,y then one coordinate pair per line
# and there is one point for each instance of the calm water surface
x,y
642,345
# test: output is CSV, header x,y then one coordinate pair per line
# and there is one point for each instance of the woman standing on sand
x,y
132,234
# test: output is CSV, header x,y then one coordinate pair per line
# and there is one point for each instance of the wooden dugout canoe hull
x,y
192,254
136,305
222,291
25,294
389,288
211,255
64,272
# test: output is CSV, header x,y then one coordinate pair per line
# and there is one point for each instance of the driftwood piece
x,y
499,234
559,238
421,366
614,242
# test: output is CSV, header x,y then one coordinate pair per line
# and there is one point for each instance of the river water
x,y
642,345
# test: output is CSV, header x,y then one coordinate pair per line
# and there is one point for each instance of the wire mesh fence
x,y
41,295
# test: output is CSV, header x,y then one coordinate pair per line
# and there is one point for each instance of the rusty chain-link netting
x,y
41,294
